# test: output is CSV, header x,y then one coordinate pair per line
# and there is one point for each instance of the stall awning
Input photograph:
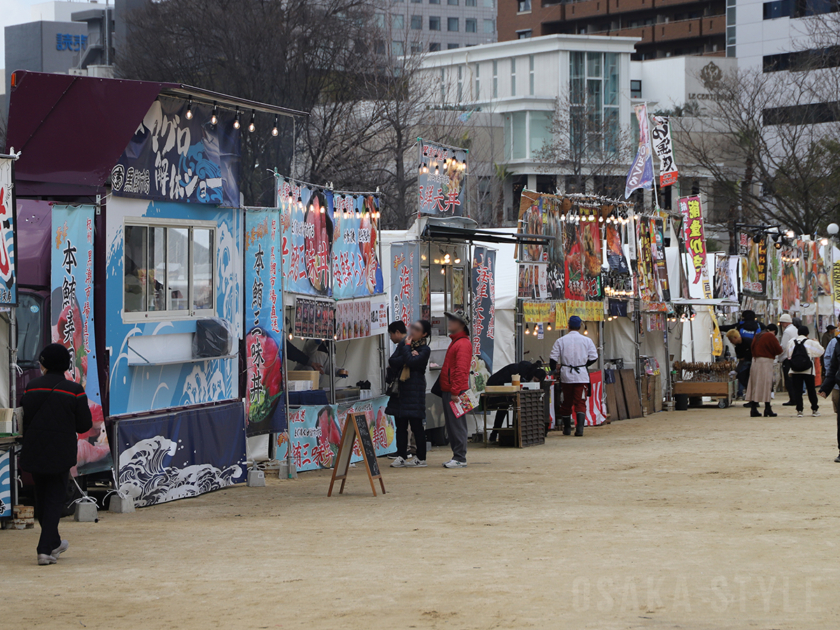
x,y
704,302
71,130
467,235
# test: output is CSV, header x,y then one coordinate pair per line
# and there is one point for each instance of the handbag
x,y
393,388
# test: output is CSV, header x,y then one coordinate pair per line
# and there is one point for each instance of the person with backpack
x,y
765,348
801,354
55,410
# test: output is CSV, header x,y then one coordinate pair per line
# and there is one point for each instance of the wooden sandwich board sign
x,y
355,425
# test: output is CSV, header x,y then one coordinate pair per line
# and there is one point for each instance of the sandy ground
x,y
698,519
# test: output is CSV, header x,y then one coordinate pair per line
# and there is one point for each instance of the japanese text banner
x,y
72,322
695,242
484,304
265,410
440,182
355,254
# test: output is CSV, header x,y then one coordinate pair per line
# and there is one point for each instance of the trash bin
x,y
681,402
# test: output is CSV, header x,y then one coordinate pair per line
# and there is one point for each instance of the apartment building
x,y
665,28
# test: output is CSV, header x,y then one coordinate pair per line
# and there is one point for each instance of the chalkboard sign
x,y
367,443
355,426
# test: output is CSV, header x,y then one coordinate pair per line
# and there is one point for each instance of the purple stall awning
x,y
71,130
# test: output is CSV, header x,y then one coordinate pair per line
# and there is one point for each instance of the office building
x,y
416,26
666,28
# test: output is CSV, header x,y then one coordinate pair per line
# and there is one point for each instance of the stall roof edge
x,y
443,232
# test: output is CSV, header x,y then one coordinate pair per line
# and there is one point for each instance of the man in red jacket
x,y
454,381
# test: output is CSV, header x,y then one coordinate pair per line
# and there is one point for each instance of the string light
x,y
214,119
275,132
527,329
236,123
252,127
189,113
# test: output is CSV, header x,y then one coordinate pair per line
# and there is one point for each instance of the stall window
x,y
169,270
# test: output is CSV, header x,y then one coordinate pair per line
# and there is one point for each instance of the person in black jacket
x,y
54,411
408,366
832,378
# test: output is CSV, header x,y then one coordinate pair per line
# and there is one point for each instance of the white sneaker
x,y
399,463
798,414
64,546
815,414
454,463
416,463
44,559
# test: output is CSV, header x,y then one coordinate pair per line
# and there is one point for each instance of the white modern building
x,y
516,85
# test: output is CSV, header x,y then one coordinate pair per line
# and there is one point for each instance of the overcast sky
x,y
12,12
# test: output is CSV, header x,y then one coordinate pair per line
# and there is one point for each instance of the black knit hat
x,y
55,358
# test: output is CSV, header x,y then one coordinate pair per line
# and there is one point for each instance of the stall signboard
x,y
583,260
72,322
615,250
725,285
5,484
357,271
791,285
532,220
816,276
645,267
538,312
176,154
660,267
8,233
315,432
664,149
353,320
178,455
441,180
307,241
315,319
541,214
754,268
695,243
405,281
835,276
265,411
483,326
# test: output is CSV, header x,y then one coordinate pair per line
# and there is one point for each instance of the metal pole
x,y
13,352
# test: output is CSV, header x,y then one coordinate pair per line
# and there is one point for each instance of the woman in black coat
x,y
408,366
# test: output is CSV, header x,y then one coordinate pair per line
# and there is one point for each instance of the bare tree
x,y
585,145
772,143
292,53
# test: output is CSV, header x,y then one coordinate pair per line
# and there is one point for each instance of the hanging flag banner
x,y
484,304
405,281
791,285
725,285
5,484
441,179
816,277
532,215
645,269
72,323
8,233
664,149
265,409
641,171
695,242
307,243
177,155
835,277
355,251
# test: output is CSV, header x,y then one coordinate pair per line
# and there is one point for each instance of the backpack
x,y
800,360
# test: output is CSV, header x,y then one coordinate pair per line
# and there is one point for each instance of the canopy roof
x,y
71,130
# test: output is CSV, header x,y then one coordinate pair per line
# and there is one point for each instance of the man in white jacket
x,y
788,334
801,353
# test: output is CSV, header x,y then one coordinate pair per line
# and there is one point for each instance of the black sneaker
x,y
789,404
837,459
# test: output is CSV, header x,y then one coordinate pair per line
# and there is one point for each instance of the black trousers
x,y
788,381
419,436
796,381
50,493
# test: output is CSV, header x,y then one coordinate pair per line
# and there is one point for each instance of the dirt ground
x,y
696,519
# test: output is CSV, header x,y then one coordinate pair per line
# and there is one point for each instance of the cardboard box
x,y
652,393
313,377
